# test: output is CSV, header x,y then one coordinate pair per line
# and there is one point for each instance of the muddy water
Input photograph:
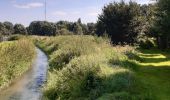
x,y
28,87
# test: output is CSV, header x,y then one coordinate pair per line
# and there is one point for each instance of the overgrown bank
x,y
16,57
88,68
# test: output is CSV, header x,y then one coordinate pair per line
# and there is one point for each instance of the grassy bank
x,y
15,58
88,68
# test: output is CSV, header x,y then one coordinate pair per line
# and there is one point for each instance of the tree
x,y
65,25
6,28
19,29
162,23
42,28
79,21
64,32
2,29
9,27
147,18
91,28
119,21
77,29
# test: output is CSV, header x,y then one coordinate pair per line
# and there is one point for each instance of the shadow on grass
x,y
155,60
136,66
149,56
153,52
153,71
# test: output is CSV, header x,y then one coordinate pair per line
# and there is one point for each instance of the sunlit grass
x,y
157,59
86,68
155,72
15,58
160,64
142,55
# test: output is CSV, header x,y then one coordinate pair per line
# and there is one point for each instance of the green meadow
x,y
90,68
117,50
154,72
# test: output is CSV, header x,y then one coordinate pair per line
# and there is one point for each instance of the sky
x,y
26,11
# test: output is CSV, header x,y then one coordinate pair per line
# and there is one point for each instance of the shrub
x,y
145,42
64,31
15,37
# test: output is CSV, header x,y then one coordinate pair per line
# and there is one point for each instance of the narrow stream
x,y
28,87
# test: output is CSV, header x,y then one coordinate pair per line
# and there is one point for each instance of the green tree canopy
x,y
9,28
19,29
119,21
42,28
162,23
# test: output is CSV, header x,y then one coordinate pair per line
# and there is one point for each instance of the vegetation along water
x,y
123,55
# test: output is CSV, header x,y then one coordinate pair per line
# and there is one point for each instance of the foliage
x,y
162,23
19,29
163,16
85,67
59,28
9,28
64,31
2,28
6,28
77,29
123,22
146,42
15,58
42,28
16,37
119,21
91,29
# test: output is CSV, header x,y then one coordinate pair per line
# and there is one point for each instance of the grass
x,y
15,58
154,72
88,68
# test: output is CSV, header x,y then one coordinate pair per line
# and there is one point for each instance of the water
x,y
28,86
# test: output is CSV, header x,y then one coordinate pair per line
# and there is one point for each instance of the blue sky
x,y
25,11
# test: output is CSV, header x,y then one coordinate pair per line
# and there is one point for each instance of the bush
x,y
146,44
64,31
15,37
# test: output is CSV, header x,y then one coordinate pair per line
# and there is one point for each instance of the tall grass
x,y
15,58
87,68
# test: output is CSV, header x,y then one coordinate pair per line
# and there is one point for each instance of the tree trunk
x,y
163,42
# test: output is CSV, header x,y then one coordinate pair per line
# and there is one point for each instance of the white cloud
x,y
29,5
59,13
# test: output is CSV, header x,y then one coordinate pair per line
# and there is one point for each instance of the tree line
x,y
45,28
124,23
